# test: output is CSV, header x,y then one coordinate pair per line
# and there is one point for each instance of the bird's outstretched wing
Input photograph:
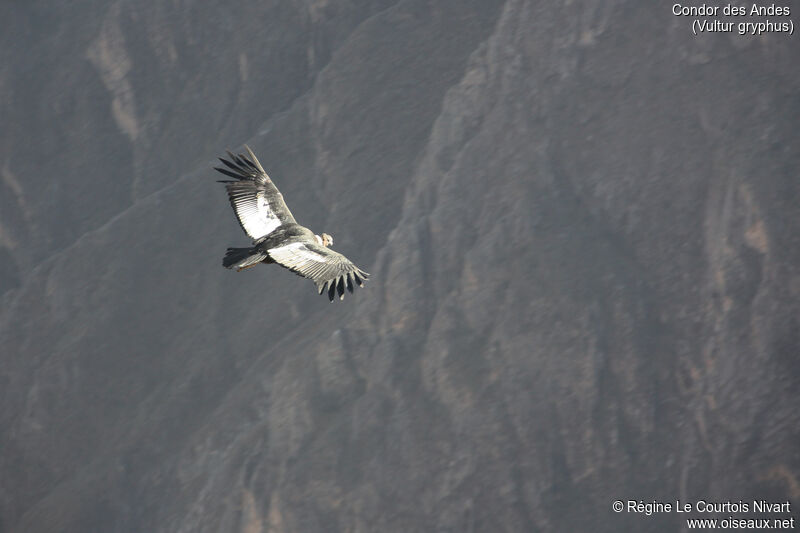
x,y
331,271
258,204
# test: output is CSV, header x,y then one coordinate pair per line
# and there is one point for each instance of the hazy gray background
x,y
582,222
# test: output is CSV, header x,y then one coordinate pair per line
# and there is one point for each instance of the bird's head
x,y
325,240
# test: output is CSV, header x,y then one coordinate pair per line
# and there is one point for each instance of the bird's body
x,y
277,237
285,234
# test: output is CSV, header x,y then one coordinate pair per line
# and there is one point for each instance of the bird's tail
x,y
240,258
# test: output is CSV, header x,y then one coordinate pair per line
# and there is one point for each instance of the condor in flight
x,y
277,237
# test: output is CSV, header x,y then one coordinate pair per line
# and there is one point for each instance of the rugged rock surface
x,y
582,224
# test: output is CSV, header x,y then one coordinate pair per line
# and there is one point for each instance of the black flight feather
x,y
227,173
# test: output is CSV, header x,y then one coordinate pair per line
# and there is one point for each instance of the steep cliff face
x,y
110,101
582,227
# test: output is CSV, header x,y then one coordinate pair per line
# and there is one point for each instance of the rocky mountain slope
x,y
581,223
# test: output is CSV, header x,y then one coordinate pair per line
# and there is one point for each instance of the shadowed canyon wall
x,y
583,229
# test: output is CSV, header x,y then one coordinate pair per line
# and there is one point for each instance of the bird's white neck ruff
x,y
319,239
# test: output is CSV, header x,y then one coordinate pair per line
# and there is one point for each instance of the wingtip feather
x,y
340,287
254,158
331,291
227,172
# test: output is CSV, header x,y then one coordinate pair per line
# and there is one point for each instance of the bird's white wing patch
x,y
296,255
258,219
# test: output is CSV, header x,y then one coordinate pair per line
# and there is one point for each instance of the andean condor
x,y
277,237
